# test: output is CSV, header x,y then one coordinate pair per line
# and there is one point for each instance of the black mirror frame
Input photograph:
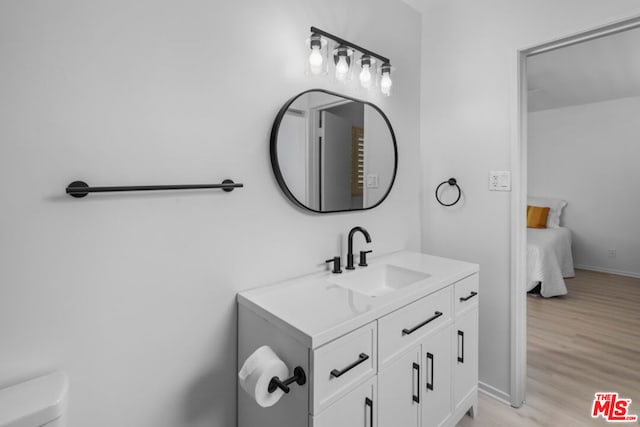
x,y
273,149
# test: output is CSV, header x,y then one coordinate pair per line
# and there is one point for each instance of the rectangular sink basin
x,y
377,280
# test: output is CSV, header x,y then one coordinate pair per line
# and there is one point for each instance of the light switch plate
x,y
372,180
499,181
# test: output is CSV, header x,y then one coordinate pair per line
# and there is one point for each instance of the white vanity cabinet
x,y
406,359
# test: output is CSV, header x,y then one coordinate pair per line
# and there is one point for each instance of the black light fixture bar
x,y
81,188
341,41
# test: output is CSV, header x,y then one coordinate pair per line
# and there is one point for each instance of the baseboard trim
x,y
607,270
494,393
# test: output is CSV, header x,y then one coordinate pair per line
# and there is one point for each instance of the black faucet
x,y
350,254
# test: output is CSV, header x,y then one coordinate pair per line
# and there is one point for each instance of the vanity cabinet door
x,y
436,383
466,358
357,409
400,393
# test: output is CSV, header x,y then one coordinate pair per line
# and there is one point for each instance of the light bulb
x,y
385,83
342,68
315,60
365,76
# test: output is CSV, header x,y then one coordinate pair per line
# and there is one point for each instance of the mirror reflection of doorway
x,y
342,156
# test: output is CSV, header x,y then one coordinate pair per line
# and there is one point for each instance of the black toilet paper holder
x,y
299,377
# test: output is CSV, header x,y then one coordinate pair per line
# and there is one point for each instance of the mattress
x,y
549,260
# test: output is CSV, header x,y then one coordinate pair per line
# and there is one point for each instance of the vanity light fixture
x,y
343,53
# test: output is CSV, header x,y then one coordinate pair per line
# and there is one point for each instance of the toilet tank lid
x,y
34,402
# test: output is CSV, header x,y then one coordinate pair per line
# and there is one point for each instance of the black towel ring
x,y
450,181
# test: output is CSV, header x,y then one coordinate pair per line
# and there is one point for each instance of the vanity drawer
x,y
407,325
466,293
342,364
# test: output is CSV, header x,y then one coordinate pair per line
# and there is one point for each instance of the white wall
x,y
134,295
588,155
468,85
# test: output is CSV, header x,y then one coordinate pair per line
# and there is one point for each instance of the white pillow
x,y
555,208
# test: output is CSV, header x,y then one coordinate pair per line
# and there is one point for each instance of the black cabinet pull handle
x,y
430,383
368,402
460,347
338,373
416,397
415,328
471,295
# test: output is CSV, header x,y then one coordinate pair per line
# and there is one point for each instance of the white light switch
x,y
499,181
372,180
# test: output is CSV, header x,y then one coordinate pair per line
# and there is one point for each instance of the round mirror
x,y
331,153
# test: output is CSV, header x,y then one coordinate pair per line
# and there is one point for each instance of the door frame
x,y
316,154
518,332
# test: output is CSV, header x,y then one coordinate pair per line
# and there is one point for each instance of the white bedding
x,y
549,260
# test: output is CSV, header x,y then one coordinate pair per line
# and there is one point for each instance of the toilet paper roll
x,y
256,373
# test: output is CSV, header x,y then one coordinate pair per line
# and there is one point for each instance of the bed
x,y
549,260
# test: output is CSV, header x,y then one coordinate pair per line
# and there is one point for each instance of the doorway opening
x,y
520,152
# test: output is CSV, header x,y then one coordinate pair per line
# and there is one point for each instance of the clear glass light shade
x,y
343,61
316,62
366,77
342,68
385,79
386,83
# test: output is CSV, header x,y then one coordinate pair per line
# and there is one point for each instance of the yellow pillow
x,y
537,217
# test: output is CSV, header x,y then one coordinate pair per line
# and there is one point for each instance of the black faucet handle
x,y
363,258
336,264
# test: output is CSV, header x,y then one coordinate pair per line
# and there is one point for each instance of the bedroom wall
x,y
468,86
134,295
588,155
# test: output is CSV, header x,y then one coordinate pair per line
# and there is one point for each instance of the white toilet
x,y
38,402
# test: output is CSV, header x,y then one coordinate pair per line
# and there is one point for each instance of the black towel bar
x,y
81,188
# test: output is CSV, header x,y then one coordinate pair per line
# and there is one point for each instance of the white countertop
x,y
316,311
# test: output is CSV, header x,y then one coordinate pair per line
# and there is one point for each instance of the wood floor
x,y
585,342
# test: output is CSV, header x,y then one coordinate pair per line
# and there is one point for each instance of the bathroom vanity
x,y
391,344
